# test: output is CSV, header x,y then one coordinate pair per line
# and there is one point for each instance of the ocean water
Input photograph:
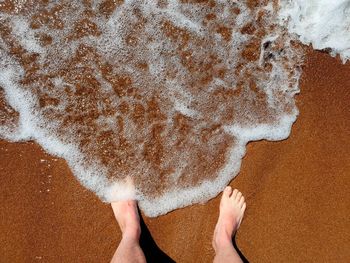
x,y
323,23
152,100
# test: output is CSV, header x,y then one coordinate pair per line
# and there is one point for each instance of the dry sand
x,y
297,194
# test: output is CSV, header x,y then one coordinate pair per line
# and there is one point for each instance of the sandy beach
x,y
296,192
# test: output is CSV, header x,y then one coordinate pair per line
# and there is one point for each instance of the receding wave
x,y
323,23
153,100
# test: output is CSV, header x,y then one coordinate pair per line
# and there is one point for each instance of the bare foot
x,y
232,207
128,218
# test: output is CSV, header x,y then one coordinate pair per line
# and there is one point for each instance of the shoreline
x,y
292,187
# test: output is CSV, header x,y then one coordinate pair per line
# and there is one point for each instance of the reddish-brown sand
x,y
297,193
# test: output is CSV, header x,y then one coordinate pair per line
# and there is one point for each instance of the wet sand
x,y
297,193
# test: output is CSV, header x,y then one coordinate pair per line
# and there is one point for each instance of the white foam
x,y
184,109
120,191
279,130
323,23
25,34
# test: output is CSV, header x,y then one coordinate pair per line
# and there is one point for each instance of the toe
x,y
238,197
132,203
243,207
227,192
234,193
241,201
115,206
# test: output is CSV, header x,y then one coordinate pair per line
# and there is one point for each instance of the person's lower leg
x,y
232,207
128,251
128,219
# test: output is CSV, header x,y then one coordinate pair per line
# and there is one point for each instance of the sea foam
x,y
323,23
152,100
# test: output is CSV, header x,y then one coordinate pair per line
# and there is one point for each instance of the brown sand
x,y
297,193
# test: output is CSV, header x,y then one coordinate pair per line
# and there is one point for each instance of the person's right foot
x,y
128,218
232,207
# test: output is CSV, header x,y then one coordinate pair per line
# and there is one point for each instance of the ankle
x,y
222,241
131,233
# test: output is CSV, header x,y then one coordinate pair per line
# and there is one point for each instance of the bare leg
x,y
129,249
232,208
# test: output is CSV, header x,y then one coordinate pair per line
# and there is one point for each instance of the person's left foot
x,y
128,218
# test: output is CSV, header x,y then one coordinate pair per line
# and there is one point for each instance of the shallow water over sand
x,y
154,101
